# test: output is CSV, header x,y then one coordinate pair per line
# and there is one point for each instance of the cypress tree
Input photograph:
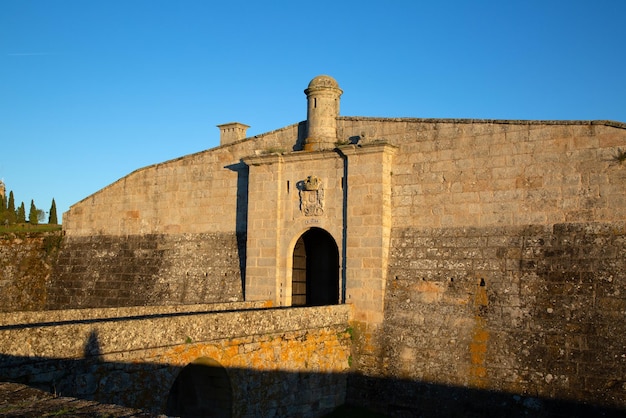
x,y
32,214
11,214
52,219
21,214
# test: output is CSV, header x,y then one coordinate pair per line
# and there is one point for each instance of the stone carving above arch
x,y
311,196
312,183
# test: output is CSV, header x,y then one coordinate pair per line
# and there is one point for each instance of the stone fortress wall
x,y
485,173
26,263
175,197
174,232
476,254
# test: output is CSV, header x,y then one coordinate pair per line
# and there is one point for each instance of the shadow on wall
x,y
202,388
205,388
241,221
302,132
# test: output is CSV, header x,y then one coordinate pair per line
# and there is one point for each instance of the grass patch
x,y
28,228
61,412
273,150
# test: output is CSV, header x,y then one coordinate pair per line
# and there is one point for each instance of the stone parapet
x,y
134,360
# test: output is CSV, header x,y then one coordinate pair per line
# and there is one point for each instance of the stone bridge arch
x,y
201,389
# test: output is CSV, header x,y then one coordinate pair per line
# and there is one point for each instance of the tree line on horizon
x,y
10,215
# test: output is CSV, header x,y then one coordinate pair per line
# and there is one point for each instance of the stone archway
x,y
201,389
315,271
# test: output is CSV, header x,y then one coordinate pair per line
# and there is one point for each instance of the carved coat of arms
x,y
311,196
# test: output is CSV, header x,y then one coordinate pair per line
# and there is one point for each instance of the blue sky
x,y
93,90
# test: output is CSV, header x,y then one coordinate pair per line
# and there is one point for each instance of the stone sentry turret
x,y
322,96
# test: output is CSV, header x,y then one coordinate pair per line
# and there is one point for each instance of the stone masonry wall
x,y
472,173
290,374
110,271
26,262
505,269
294,363
197,193
532,311
449,172
471,200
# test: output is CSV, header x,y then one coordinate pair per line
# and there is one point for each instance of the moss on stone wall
x,y
26,261
144,270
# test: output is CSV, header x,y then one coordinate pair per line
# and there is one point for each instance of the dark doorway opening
x,y
315,274
202,389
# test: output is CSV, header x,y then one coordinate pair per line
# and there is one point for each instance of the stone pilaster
x,y
368,228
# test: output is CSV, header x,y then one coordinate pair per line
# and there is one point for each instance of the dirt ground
x,y
22,401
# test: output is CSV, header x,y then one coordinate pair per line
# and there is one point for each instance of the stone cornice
x,y
296,156
611,123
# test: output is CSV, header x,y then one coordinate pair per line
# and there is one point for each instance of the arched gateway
x,y
315,274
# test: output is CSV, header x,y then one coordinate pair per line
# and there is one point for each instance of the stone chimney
x,y
231,132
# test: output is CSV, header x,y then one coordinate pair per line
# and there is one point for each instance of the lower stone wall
x,y
275,362
26,262
288,374
112,271
534,312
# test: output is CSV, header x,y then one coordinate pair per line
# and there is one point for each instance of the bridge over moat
x,y
245,359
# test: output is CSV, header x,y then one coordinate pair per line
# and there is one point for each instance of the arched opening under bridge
x,y
201,389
